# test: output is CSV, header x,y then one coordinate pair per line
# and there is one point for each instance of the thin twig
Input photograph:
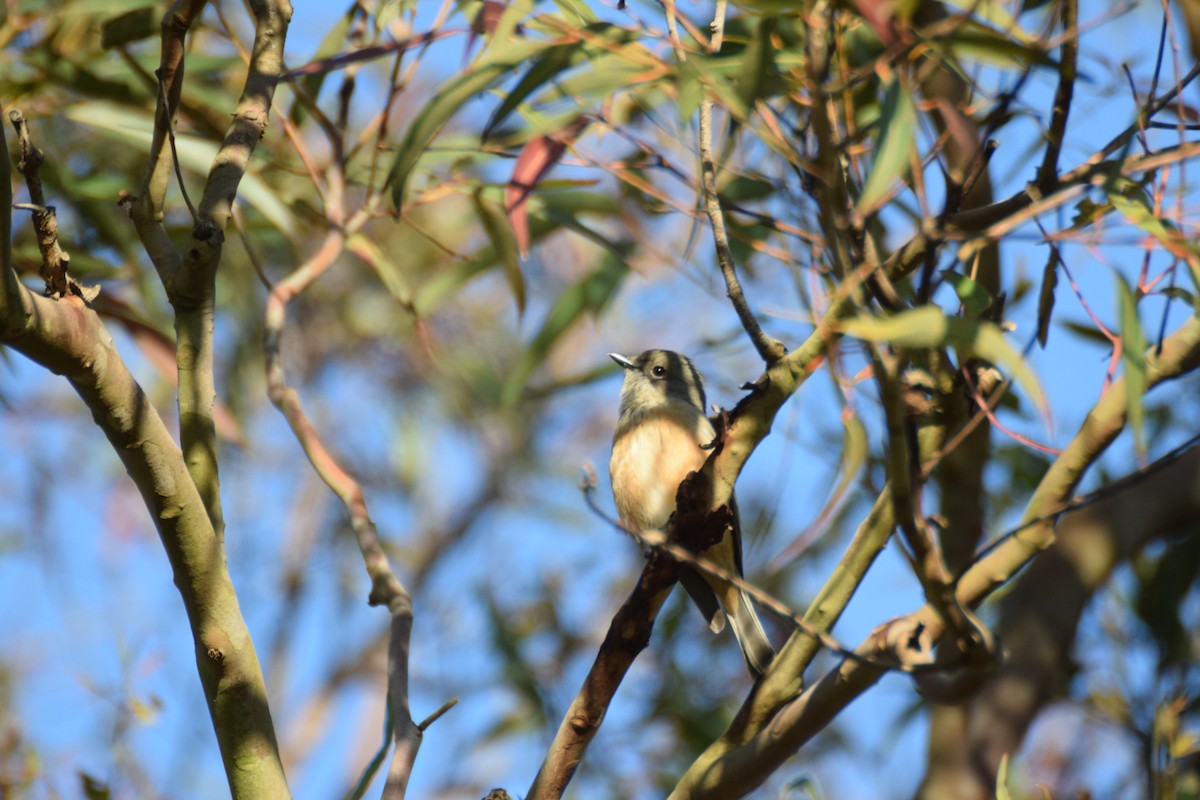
x,y
55,260
769,348
162,98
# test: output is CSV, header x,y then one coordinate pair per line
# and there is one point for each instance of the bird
x,y
662,435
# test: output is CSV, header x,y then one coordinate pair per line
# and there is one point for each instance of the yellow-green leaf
x,y
897,128
501,236
929,326
1133,356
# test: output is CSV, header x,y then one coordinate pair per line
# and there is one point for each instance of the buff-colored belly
x,y
649,461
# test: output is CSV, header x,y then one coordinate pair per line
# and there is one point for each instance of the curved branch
x,y
386,588
69,339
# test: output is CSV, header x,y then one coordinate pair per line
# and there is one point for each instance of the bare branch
x,y
386,588
67,338
769,348
1068,55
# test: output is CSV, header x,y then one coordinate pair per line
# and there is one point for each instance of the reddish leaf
x,y
535,160
879,16
486,21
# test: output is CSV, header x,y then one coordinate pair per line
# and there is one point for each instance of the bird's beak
x,y
622,360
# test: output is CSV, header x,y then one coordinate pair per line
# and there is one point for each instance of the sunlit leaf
x,y
974,298
390,274
533,162
545,67
196,155
1136,208
1002,779
560,58
1133,356
448,101
928,326
897,129
503,242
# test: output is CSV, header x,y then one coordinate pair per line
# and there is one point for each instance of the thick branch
x,y
147,210
628,635
68,339
14,310
192,289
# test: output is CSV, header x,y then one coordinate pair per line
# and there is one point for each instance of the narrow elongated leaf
x,y
929,326
1136,208
438,111
534,161
758,64
975,299
1046,297
897,129
1133,356
545,68
195,155
504,244
1002,779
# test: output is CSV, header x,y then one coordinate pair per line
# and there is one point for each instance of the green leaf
x,y
973,40
195,155
1136,208
495,225
974,298
928,326
390,274
507,25
443,105
1133,356
1002,779
897,131
589,296
545,68
577,8
758,64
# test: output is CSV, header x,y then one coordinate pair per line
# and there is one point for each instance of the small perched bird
x,y
662,435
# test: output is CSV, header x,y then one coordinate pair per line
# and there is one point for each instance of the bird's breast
x,y
651,456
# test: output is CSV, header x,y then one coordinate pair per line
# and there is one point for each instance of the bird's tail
x,y
751,637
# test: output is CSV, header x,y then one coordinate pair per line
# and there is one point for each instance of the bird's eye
x,y
659,371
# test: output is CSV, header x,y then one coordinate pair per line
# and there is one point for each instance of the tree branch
x,y
1068,55
734,772
386,588
769,348
69,339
